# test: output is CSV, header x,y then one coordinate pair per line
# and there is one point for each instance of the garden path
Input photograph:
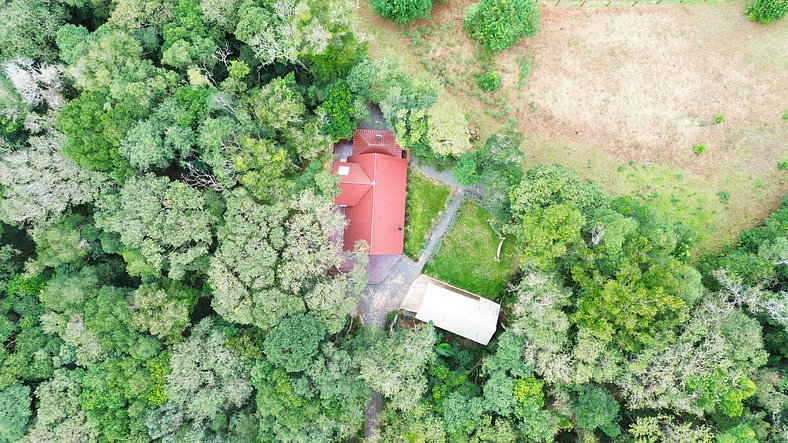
x,y
376,301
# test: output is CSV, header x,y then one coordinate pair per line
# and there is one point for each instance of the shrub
x,y
497,24
699,149
783,165
489,81
724,196
719,118
766,11
402,11
339,110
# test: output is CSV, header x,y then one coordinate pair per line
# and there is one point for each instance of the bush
x,y
699,149
489,81
497,24
402,11
766,11
339,110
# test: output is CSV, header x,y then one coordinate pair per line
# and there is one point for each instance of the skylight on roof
x,y
343,170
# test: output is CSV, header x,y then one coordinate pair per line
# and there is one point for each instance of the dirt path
x,y
376,301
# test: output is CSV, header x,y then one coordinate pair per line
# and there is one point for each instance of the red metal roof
x,y
374,141
375,209
353,184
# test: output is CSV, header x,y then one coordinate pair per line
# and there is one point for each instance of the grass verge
x,y
426,200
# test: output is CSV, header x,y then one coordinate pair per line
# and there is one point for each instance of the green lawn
x,y
466,257
426,200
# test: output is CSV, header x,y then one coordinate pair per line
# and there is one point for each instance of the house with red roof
x,y
373,173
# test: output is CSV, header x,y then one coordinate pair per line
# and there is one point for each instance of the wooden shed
x,y
452,309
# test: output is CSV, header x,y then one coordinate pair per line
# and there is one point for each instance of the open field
x,y
425,202
466,257
624,94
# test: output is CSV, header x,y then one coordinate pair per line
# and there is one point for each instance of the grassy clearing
x,y
425,202
466,257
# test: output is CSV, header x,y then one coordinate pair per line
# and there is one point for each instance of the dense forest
x,y
168,271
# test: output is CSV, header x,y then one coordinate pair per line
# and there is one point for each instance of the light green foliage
x,y
238,69
163,310
62,242
167,222
258,243
108,318
497,24
395,365
597,409
545,185
325,404
362,76
402,11
144,146
207,378
28,29
767,11
39,183
114,398
499,394
58,412
718,390
68,290
293,344
14,412
739,434
420,425
224,13
629,312
661,428
695,373
447,131
295,31
425,201
538,315
461,415
548,234
188,40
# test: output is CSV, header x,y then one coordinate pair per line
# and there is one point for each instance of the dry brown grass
x,y
615,85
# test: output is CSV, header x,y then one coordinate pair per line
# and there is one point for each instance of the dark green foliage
x,y
293,344
767,11
597,409
28,351
339,110
174,216
402,11
489,81
497,24
14,412
93,133
497,167
72,40
28,29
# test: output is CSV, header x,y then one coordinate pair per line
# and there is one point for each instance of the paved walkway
x,y
376,301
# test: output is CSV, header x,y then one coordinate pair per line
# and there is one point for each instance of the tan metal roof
x,y
452,309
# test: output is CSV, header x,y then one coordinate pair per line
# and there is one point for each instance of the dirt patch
x,y
645,84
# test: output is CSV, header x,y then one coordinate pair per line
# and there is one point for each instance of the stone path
x,y
376,301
